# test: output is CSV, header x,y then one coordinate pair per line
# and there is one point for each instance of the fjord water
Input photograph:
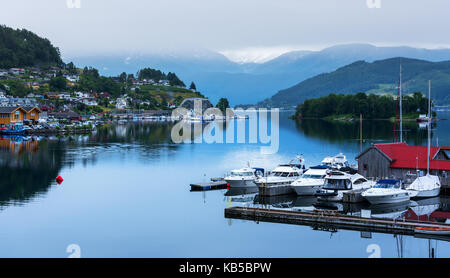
x,y
126,194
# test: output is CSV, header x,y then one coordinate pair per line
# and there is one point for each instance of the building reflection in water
x,y
26,170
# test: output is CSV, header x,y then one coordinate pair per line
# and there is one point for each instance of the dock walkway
x,y
328,219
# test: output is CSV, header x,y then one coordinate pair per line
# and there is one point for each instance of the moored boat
x,y
387,191
280,179
311,181
338,182
244,177
432,230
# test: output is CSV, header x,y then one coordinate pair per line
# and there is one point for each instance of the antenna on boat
x,y
429,130
401,114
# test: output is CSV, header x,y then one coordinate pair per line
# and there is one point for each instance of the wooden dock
x,y
213,185
329,220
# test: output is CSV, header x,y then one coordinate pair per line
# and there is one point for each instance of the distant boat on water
x,y
423,118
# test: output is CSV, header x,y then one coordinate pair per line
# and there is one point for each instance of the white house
x,y
72,78
89,101
82,95
121,103
64,95
164,82
17,71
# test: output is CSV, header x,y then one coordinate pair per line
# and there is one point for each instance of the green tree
x,y
58,83
223,104
17,88
123,77
192,86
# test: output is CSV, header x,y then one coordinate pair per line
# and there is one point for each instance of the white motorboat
x,y
388,191
311,181
428,185
280,179
337,162
338,182
244,177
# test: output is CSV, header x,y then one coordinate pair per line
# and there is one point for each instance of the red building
x,y
400,161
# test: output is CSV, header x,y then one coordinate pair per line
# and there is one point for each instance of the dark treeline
x,y
370,106
21,48
92,81
157,75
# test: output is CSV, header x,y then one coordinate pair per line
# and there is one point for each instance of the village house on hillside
x,y
16,115
17,71
400,161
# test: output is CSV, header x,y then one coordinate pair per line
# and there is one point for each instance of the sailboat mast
x,y
401,114
429,129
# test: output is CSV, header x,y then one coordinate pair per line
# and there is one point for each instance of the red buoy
x,y
59,179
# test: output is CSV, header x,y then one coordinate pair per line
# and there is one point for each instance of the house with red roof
x,y
400,161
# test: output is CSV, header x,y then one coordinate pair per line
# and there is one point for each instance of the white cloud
x,y
256,54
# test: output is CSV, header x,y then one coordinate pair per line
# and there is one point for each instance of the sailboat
x,y
428,185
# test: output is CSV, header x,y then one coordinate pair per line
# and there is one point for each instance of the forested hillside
x,y
21,48
379,77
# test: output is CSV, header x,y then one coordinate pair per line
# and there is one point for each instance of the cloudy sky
x,y
252,30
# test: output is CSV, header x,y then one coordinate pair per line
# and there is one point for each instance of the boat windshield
x,y
386,185
241,174
310,176
338,184
285,174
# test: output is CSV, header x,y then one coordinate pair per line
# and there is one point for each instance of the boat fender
x,y
59,179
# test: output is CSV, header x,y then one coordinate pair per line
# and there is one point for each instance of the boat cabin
x,y
337,180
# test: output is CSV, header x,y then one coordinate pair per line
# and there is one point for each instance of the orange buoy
x,y
59,179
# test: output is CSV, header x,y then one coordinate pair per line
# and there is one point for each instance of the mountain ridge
x,y
251,83
378,77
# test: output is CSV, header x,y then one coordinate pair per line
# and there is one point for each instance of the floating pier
x,y
213,185
331,220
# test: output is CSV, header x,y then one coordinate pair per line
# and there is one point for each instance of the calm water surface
x,y
126,194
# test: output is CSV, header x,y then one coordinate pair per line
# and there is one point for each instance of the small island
x,y
369,106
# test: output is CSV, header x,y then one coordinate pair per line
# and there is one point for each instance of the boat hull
x,y
428,193
274,190
432,231
330,196
307,190
240,183
388,199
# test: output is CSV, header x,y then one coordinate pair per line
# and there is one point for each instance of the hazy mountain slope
x,y
216,76
376,77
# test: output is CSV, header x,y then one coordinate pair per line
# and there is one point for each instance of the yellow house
x,y
32,113
12,115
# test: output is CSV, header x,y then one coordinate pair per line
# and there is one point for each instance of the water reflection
x,y
27,169
428,210
29,165
120,174
349,131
